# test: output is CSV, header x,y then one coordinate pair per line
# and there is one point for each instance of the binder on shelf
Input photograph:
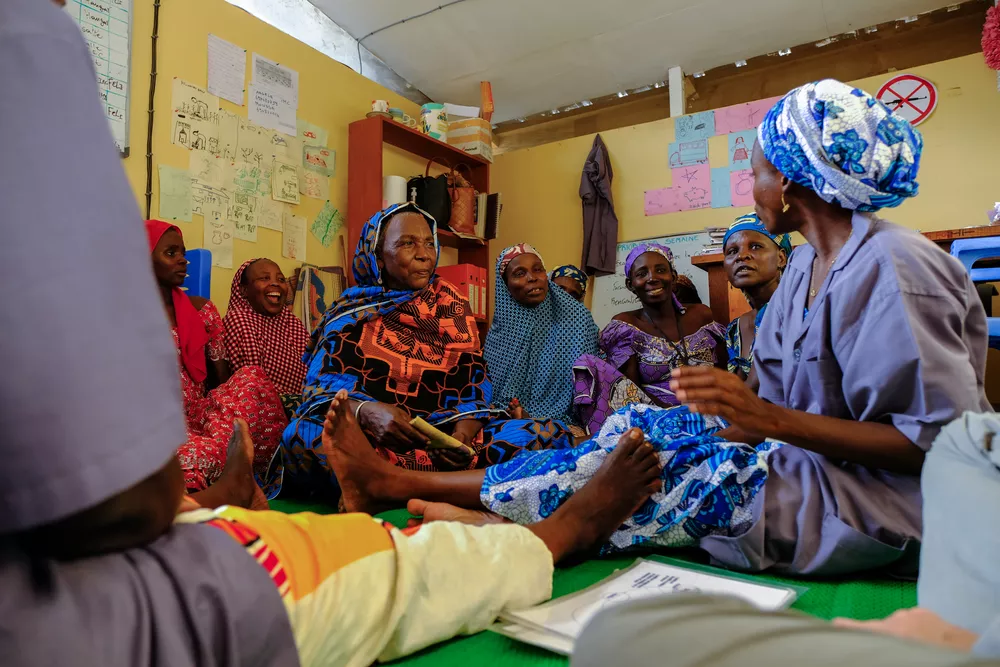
x,y
493,209
465,278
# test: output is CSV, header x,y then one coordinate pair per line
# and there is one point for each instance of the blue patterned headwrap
x,y
570,271
751,222
844,145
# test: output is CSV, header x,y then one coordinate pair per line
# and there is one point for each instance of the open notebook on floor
x,y
556,624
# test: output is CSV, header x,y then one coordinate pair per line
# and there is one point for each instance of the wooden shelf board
x,y
450,239
418,143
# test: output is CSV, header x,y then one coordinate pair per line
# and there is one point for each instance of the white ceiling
x,y
544,54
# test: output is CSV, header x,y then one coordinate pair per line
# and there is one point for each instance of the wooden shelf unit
x,y
364,180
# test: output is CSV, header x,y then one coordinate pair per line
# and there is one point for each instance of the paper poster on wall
x,y
285,182
327,224
293,237
271,109
206,198
660,201
313,184
741,187
693,186
243,214
206,169
195,119
227,69
741,117
319,158
720,188
219,238
687,153
740,146
282,80
695,126
311,134
270,213
175,194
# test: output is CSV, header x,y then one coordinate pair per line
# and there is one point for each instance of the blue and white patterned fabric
x,y
843,144
709,483
571,272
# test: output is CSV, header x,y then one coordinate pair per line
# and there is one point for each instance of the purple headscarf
x,y
659,250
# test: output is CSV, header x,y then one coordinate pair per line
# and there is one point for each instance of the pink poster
x,y
741,117
741,187
663,200
693,186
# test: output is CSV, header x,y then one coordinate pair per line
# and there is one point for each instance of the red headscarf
x,y
276,343
190,329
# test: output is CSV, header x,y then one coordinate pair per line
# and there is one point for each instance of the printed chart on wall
x,y
107,27
612,297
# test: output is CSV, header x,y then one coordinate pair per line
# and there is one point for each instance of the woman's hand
x,y
715,392
452,459
389,426
466,430
516,410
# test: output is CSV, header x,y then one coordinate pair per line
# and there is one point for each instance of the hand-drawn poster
x,y
206,169
195,119
687,153
293,237
175,194
207,198
740,147
311,134
695,126
314,184
280,79
327,224
720,188
285,182
693,186
319,158
243,214
739,117
229,132
219,238
741,187
270,109
662,200
270,213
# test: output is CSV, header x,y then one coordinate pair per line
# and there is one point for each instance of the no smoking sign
x,y
909,96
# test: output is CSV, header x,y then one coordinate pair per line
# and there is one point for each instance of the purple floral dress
x,y
600,388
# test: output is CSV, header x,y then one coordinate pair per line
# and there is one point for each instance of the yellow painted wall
x,y
959,175
331,95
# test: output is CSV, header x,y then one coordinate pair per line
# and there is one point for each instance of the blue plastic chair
x,y
968,252
199,276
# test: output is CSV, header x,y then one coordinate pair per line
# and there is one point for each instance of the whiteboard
x,y
612,297
107,27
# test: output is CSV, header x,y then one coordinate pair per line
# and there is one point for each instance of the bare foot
x,y
236,485
361,472
626,479
445,512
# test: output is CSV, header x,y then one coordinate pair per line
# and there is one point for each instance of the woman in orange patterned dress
x,y
213,396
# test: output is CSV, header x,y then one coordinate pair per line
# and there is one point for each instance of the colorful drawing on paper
x,y
327,224
741,187
740,148
195,117
319,159
660,201
687,153
313,184
693,186
695,126
740,117
720,188
285,182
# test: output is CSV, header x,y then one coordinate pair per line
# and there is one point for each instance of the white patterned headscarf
x,y
844,145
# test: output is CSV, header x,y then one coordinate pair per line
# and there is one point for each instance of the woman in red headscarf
x,y
213,396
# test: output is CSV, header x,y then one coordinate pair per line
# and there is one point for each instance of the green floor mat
x,y
862,598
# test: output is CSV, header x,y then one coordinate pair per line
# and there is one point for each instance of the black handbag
x,y
431,194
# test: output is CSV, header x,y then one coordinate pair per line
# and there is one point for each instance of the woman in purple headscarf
x,y
642,347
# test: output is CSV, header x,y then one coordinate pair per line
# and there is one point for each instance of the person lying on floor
x,y
754,259
92,568
860,367
405,344
958,591
538,331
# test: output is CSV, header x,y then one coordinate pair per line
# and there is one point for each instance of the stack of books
x,y
715,234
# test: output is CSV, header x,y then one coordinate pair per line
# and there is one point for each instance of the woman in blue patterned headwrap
x,y
538,331
571,279
754,259
404,344
872,343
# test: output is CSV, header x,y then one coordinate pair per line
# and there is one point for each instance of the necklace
x,y
812,279
680,351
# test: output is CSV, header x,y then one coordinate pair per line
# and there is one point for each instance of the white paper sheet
x,y
456,111
567,615
219,238
195,117
269,108
282,80
227,69
293,237
270,213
